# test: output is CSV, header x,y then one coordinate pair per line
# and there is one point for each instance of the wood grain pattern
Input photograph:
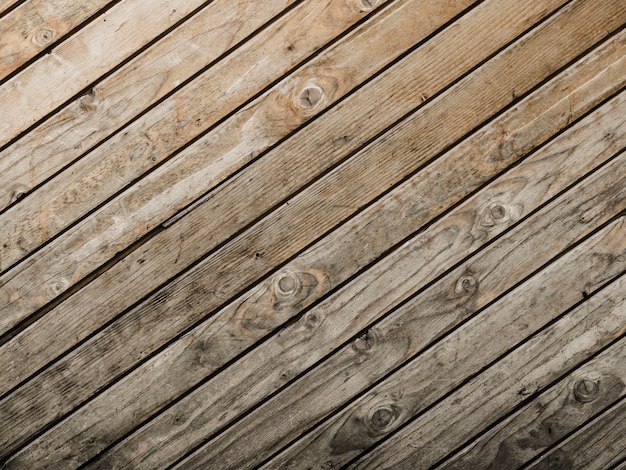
x,y
528,369
547,419
120,97
270,304
210,160
599,445
387,345
201,225
74,64
35,25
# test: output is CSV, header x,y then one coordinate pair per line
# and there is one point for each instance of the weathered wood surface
x,y
550,417
273,238
139,84
297,234
244,136
36,25
599,445
529,369
397,338
75,63
223,332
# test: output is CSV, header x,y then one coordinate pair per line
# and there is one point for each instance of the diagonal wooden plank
x,y
212,159
582,82
28,354
142,82
597,446
400,337
528,370
37,24
25,294
547,419
74,64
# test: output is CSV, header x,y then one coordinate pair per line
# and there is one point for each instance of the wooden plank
x,y
35,25
208,226
294,350
191,173
180,305
399,337
74,64
143,81
508,383
597,446
317,270
547,419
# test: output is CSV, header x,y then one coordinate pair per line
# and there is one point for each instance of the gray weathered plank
x,y
140,83
180,244
316,269
399,337
241,323
597,446
530,368
210,160
35,25
548,418
91,52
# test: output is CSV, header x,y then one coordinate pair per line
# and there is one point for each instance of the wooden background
x,y
312,234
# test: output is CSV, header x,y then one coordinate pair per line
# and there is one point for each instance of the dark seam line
x,y
10,8
494,362
173,91
427,286
578,429
156,352
48,49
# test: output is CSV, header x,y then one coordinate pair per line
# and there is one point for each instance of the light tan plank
x,y
5,4
200,288
316,270
549,417
529,369
283,173
597,446
82,124
35,25
209,161
77,62
387,345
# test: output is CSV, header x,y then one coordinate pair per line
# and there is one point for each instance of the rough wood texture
x,y
599,445
313,234
36,25
314,275
527,370
259,125
141,83
273,239
398,338
550,417
75,63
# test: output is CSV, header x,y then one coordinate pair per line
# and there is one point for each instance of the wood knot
x,y
466,285
312,320
18,193
586,390
365,342
57,287
366,5
287,284
89,100
496,213
310,97
43,37
383,417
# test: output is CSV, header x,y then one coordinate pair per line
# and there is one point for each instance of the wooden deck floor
x,y
313,234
